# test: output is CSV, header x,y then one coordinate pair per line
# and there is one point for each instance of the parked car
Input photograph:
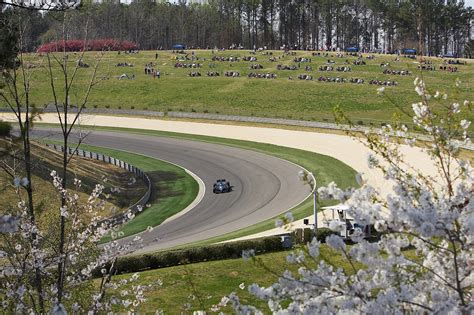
x,y
221,186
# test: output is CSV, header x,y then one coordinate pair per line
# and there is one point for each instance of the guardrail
x,y
135,208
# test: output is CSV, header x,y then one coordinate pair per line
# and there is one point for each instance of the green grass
x,y
325,168
173,189
295,99
208,282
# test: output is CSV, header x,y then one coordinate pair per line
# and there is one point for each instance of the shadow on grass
x,y
162,185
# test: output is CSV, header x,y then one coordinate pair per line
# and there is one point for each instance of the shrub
x,y
94,45
322,233
107,106
132,107
194,255
5,128
95,106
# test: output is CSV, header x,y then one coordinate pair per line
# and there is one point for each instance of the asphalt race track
x,y
263,186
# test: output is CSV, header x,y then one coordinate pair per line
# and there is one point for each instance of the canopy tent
x,y
179,46
352,49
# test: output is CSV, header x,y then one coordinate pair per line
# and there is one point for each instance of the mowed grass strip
x,y
173,189
281,97
325,168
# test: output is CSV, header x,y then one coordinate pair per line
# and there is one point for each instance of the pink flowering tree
x,y
424,258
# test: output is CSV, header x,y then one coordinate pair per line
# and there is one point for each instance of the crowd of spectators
x,y
249,58
306,77
124,64
187,65
232,74
262,75
225,58
302,59
359,62
343,69
287,67
332,79
426,67
385,83
256,66
326,68
454,62
397,72
448,68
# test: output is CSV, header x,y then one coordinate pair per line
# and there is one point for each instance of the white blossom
x,y
421,261
465,124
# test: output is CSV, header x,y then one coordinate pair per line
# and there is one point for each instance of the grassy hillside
x,y
90,172
281,97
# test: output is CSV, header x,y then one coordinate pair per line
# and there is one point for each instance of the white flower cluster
x,y
422,258
31,251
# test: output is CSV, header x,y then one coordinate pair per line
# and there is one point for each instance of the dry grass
x,y
90,172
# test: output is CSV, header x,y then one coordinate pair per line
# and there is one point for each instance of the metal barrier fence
x,y
135,208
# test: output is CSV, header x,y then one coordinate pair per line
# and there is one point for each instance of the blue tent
x,y
409,51
179,46
352,49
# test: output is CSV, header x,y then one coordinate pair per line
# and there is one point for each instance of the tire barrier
x,y
135,208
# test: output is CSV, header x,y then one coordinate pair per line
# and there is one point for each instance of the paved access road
x,y
263,186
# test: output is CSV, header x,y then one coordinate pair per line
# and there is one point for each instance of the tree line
x,y
431,26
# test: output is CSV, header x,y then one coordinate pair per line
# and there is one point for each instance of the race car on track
x,y
221,186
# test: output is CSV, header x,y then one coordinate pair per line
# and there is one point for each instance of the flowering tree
x,y
25,255
47,256
423,260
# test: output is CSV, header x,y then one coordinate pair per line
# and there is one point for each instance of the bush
x,y
322,233
80,45
132,107
170,258
5,128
